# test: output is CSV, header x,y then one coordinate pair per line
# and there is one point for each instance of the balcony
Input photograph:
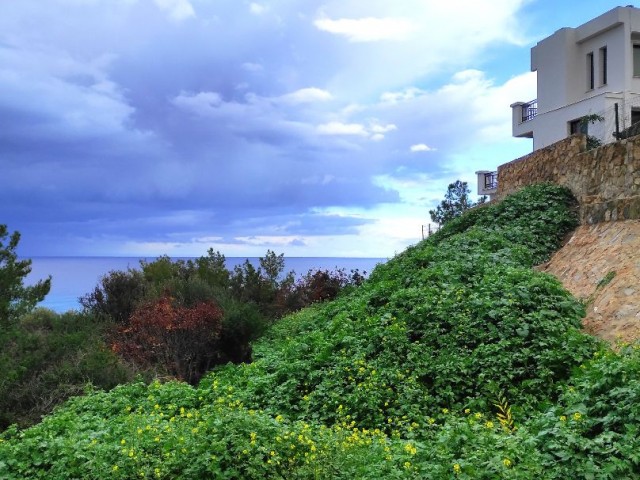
x,y
529,110
487,182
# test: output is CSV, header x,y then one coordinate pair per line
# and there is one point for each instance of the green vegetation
x,y
456,202
171,319
15,298
46,358
453,360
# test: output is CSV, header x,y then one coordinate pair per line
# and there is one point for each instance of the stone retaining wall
x,y
605,180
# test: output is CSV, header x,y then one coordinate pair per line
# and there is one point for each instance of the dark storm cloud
x,y
173,121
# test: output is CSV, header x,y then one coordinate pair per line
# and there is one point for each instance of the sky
x,y
310,128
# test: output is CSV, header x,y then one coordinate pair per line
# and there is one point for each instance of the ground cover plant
x,y
453,360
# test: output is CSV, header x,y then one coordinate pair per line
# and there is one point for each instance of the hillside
x,y
600,265
454,360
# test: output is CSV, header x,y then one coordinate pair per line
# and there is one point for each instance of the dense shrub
x,y
116,296
48,357
251,298
181,340
321,285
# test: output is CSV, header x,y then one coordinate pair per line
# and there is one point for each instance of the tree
x,y
455,202
15,298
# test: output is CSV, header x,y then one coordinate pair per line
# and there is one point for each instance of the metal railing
x,y
491,181
529,110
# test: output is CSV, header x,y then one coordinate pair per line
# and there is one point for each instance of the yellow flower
x,y
478,415
467,411
456,468
410,449
506,462
445,410
115,468
407,464
123,441
489,424
563,418
577,416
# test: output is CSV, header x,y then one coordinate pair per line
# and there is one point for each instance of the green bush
x,y
116,296
47,358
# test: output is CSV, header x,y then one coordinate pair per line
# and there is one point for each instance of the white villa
x,y
592,70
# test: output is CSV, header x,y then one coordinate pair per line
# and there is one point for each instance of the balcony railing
x,y
491,181
529,110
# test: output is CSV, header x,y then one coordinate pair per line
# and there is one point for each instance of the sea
x,y
73,277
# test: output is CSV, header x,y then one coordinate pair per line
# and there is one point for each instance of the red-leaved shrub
x,y
181,340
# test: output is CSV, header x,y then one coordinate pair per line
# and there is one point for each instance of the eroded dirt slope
x,y
601,264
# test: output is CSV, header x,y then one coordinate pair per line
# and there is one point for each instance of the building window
x,y
578,126
636,60
603,66
590,71
635,115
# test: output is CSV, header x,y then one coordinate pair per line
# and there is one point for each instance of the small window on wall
x,y
635,115
578,126
636,60
603,66
590,71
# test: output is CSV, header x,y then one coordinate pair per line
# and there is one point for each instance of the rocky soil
x,y
600,264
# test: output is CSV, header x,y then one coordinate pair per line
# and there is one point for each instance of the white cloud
x,y
421,147
200,103
305,95
177,9
367,29
395,97
377,128
374,132
257,9
339,128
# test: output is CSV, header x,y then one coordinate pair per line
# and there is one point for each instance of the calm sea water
x,y
73,277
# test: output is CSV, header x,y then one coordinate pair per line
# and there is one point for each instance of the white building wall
x,y
564,93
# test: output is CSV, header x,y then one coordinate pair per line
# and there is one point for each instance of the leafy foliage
x,y
182,340
250,298
456,202
117,295
47,357
453,360
15,298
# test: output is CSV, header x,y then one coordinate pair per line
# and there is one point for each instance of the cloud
x,y
421,147
374,131
306,95
339,128
162,136
201,103
177,9
367,29
257,9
